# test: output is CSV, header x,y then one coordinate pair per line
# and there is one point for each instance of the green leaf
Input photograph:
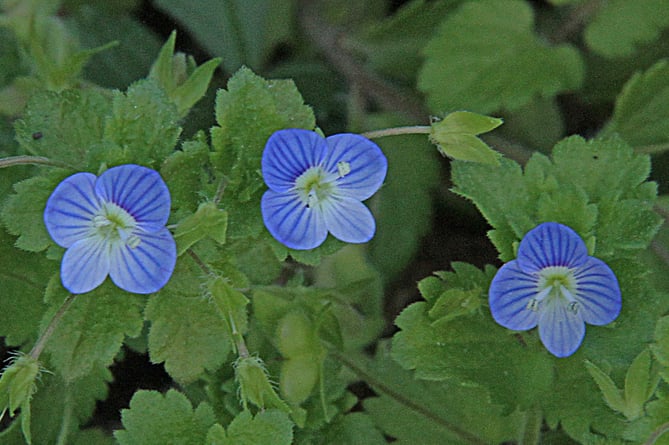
x,y
247,113
486,57
419,411
640,115
23,212
403,206
208,222
661,346
455,137
267,427
392,46
22,280
254,385
171,72
230,305
612,394
240,32
184,173
69,123
91,332
154,418
126,62
354,429
144,123
620,26
640,384
186,333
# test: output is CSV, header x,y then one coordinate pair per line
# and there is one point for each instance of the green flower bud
x,y
455,137
254,385
17,383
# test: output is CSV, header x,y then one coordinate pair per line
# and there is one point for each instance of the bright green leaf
x,y
186,333
91,332
68,123
23,212
208,222
267,427
486,57
184,173
621,25
157,419
640,383
612,394
144,123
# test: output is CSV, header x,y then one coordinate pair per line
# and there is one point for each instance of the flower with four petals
x,y
555,285
317,185
113,225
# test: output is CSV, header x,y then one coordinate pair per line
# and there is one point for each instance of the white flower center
x,y
314,186
114,224
555,282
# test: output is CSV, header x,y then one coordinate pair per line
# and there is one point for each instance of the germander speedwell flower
x,y
554,284
113,225
317,186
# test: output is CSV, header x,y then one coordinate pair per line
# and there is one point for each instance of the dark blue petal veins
x,y
551,244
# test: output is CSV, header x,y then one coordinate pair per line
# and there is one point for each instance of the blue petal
x,y
348,219
70,209
140,191
85,265
560,329
551,244
288,154
291,222
597,292
146,267
510,292
368,165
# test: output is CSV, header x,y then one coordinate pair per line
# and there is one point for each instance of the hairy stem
x,y
397,131
36,351
531,434
12,161
659,431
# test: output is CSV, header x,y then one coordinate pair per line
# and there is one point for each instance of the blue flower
x,y
554,284
113,225
316,186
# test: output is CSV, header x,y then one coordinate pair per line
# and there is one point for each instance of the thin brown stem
x,y
397,131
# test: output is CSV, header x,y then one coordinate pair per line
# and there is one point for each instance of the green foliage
x,y
403,401
590,181
186,333
207,222
143,123
620,26
404,209
499,63
154,418
640,115
184,83
22,292
91,332
247,113
270,345
269,426
241,33
455,137
22,212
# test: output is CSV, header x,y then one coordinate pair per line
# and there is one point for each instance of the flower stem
x,y
397,131
36,351
30,160
659,431
531,433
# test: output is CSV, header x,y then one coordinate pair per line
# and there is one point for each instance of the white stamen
x,y
344,168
